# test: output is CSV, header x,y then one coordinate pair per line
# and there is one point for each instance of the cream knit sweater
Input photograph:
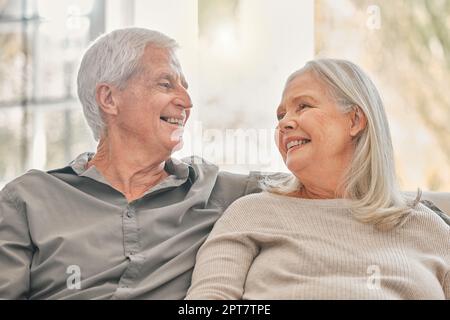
x,y
268,246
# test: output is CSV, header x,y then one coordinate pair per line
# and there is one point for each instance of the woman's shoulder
x,y
425,215
424,223
249,212
254,200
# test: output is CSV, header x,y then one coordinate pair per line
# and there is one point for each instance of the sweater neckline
x,y
335,203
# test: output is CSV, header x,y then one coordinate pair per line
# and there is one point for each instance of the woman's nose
x,y
287,124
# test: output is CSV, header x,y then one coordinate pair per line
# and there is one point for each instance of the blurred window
x,y
41,43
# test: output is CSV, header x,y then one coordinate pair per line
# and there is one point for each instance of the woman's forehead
x,y
304,81
305,84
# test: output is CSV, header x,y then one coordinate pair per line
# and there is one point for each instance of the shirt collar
x,y
179,172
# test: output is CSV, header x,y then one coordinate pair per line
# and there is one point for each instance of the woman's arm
x,y
447,286
224,259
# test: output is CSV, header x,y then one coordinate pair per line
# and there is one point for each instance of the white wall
x,y
236,80
242,74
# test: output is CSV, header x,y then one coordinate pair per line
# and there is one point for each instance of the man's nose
x,y
183,98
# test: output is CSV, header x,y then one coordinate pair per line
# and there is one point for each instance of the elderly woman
x,y
338,228
127,221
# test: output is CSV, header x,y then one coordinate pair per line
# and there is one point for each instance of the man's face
x,y
154,106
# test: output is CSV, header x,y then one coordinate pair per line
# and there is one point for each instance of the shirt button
x,y
129,214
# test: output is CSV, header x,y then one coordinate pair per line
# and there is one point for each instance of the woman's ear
x,y
358,121
104,95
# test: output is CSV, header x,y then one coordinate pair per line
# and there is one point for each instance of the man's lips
x,y
175,118
178,122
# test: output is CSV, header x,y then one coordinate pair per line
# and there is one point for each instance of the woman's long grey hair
x,y
370,181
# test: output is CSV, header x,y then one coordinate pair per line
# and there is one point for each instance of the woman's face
x,y
312,135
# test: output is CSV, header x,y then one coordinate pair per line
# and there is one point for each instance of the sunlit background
x,y
236,55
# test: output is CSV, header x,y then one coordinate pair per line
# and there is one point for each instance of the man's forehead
x,y
162,61
155,56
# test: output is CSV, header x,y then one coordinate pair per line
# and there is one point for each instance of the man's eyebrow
x,y
171,77
184,83
165,75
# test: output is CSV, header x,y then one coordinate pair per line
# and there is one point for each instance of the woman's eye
x,y
303,106
299,108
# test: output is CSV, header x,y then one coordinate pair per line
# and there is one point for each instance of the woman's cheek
x,y
278,136
319,125
309,123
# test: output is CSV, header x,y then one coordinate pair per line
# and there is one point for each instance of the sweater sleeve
x,y
15,249
446,286
224,259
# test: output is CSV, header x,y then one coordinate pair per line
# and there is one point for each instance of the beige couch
x,y
440,199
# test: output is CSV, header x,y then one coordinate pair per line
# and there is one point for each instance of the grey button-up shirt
x,y
68,234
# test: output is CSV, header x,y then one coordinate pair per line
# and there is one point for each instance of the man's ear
x,y
106,100
358,121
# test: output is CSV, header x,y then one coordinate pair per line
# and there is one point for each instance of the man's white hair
x,y
370,181
113,58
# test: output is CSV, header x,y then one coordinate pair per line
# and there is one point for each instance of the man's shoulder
x,y
29,176
31,180
248,182
197,161
230,179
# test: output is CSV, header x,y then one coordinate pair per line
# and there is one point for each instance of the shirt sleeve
x,y
15,249
224,260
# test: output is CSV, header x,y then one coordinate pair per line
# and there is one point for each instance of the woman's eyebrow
x,y
279,109
307,97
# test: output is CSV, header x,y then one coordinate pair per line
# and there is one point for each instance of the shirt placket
x,y
132,251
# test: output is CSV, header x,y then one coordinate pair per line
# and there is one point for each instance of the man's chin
x,y
177,146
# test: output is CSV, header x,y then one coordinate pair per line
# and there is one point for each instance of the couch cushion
x,y
440,200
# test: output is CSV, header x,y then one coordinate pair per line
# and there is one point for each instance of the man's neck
x,y
130,169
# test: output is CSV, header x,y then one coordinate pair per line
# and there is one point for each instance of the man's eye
x,y
280,116
166,85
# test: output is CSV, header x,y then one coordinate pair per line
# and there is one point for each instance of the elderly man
x,y
127,221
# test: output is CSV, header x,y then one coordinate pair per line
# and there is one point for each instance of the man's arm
x,y
224,260
16,250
